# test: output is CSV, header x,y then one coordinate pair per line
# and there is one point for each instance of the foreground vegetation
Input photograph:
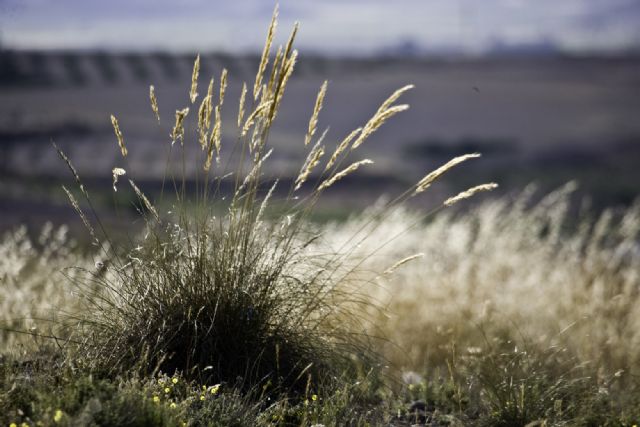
x,y
228,311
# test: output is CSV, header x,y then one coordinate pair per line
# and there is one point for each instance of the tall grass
x,y
516,311
220,288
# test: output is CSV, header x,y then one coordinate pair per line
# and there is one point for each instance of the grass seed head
x,y
243,95
154,102
193,93
178,128
313,122
116,129
470,192
346,171
264,59
429,179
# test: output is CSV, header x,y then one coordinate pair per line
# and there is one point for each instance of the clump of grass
x,y
237,297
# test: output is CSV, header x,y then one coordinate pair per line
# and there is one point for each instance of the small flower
x,y
202,397
174,380
161,381
13,425
167,390
24,425
156,399
314,397
57,417
173,405
215,389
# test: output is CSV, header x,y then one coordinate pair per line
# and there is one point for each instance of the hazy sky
x,y
340,26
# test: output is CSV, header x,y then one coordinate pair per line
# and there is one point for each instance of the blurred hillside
x,y
547,119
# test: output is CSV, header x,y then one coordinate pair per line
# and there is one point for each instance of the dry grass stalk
x,y
252,117
265,201
287,70
381,116
203,112
254,172
73,170
426,182
346,171
117,172
214,140
144,199
470,192
243,96
289,46
178,128
83,217
277,62
393,98
313,122
193,94
403,261
264,60
310,163
341,147
116,128
154,102
384,113
209,103
223,85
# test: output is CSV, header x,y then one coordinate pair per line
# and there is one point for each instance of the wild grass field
x,y
229,305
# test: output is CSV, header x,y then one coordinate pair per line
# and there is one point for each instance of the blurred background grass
x,y
548,93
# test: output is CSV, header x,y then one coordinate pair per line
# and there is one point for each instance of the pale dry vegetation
x,y
511,312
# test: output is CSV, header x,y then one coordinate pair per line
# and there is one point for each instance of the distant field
x,y
546,120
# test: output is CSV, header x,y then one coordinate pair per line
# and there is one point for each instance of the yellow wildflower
x,y
173,405
167,390
57,417
13,425
174,380
314,397
202,397
215,389
156,399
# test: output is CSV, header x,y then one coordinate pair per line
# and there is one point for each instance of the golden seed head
x,y
214,140
193,94
116,129
178,128
310,163
154,102
384,113
243,95
313,122
341,147
264,60
346,171
223,85
426,182
470,192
